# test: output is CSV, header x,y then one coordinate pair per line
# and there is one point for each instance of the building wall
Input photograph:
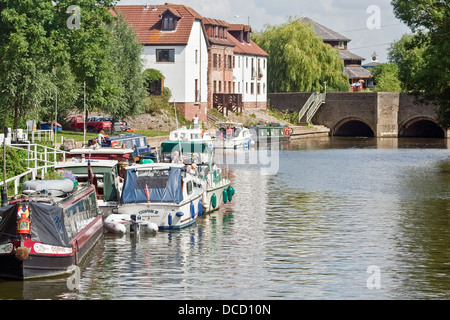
x,y
191,64
247,83
220,78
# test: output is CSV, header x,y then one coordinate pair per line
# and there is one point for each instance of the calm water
x,y
340,219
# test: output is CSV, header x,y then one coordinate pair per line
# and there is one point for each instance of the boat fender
x,y
230,192
170,219
200,208
225,196
214,201
152,227
192,210
179,214
287,132
22,253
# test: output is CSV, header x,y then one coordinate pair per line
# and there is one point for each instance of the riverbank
x,y
165,123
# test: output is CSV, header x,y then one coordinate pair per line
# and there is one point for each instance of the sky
x,y
370,24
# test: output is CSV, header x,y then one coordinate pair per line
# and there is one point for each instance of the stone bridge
x,y
382,114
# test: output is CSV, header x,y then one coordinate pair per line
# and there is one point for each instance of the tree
x,y
126,58
430,22
25,76
407,53
42,57
299,60
386,78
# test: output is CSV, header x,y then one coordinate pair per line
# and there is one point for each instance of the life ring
x,y
287,132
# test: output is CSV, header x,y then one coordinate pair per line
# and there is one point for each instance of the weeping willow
x,y
299,60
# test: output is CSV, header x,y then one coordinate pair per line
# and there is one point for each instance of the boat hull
x,y
45,260
233,143
214,190
167,216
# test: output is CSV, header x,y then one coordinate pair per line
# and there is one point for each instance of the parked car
x,y
119,125
76,123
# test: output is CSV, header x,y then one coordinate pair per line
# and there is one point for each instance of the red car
x,y
76,123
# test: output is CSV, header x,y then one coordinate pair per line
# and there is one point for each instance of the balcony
x,y
227,102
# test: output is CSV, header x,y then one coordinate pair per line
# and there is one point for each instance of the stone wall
x,y
386,113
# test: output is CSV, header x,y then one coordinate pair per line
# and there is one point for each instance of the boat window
x,y
189,187
156,179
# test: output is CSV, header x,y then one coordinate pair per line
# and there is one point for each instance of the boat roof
x,y
84,162
228,123
155,166
101,151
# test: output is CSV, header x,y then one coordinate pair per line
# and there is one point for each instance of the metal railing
x,y
37,161
311,106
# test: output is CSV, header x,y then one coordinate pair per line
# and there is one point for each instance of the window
x,y
196,90
189,187
215,60
196,56
229,62
165,55
168,24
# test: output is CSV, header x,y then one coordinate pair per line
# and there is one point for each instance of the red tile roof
x,y
249,48
146,20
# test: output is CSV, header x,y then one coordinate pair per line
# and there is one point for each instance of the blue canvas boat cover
x,y
153,185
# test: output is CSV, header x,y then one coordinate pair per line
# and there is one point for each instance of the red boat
x,y
50,230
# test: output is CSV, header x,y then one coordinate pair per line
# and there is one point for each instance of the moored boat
x,y
50,230
190,134
232,135
271,133
158,194
105,177
198,157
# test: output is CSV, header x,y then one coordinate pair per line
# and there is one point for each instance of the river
x,y
323,218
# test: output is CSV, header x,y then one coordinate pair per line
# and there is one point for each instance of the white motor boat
x,y
190,134
160,194
233,135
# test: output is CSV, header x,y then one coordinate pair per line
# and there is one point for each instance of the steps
x,y
310,108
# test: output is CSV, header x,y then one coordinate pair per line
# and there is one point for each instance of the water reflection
x,y
334,208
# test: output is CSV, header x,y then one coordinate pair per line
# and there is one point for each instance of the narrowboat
x,y
50,230
271,133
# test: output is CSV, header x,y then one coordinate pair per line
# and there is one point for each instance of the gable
x,y
148,22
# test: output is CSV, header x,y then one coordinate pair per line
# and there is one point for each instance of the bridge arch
x,y
421,127
353,127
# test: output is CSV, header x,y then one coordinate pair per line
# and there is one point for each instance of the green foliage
x,y
151,75
407,53
157,103
299,60
427,49
41,59
386,78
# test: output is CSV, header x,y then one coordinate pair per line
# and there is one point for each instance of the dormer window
x,y
170,20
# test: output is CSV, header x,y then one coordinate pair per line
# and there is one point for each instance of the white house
x,y
250,67
199,56
174,43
